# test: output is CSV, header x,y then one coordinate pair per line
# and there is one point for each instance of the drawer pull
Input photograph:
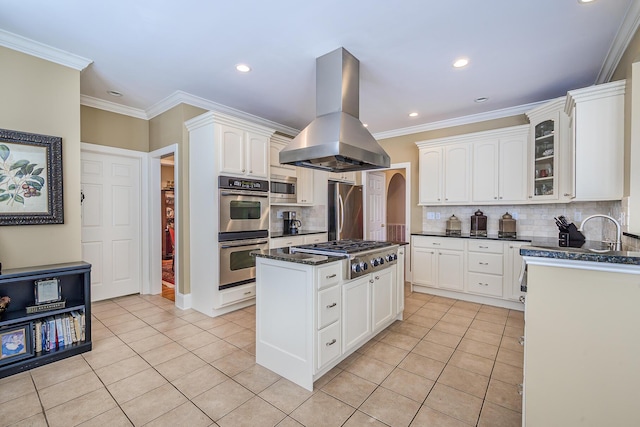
x,y
332,342
248,293
483,247
483,284
331,276
333,304
437,244
483,263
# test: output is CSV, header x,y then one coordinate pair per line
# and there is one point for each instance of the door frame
x,y
155,239
407,201
144,196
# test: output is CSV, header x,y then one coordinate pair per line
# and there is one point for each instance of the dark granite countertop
x,y
594,251
468,236
276,234
283,254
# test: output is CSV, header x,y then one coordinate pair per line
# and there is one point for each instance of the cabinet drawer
x,y
438,243
487,246
236,294
329,306
315,238
485,263
329,275
328,345
485,284
285,242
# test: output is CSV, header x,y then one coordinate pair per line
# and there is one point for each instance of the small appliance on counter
x,y
479,224
507,226
291,224
454,226
569,235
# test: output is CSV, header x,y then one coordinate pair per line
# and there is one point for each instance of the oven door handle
x,y
263,242
243,193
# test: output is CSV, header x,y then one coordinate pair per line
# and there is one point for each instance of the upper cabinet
x,y
243,152
349,177
305,186
597,141
547,165
278,142
444,172
499,165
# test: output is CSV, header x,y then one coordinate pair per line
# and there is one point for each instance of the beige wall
x,y
403,149
43,97
396,189
113,130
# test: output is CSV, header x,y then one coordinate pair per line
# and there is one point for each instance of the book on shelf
x,y
59,332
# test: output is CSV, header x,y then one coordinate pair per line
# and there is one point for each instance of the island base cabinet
x,y
383,303
328,345
356,312
582,345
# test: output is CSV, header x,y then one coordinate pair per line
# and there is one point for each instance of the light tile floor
x,y
450,363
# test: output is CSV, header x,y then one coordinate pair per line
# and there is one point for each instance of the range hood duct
x,y
336,141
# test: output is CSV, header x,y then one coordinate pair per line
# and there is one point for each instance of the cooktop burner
x,y
346,246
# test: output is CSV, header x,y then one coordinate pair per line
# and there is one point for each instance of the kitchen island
x,y
582,345
310,315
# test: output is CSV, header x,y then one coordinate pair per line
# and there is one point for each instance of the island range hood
x,y
336,141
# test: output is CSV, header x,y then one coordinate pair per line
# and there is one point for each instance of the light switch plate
x,y
431,215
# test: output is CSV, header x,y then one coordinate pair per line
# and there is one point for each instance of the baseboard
x,y
183,301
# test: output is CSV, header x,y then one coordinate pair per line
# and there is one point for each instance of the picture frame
x,y
30,179
47,291
16,343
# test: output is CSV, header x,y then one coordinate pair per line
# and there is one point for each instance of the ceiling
x,y
520,52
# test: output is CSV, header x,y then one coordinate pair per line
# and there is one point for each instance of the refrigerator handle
x,y
341,218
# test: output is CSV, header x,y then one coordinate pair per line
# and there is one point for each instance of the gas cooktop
x,y
344,246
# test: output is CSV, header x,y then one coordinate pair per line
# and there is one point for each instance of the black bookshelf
x,y
19,285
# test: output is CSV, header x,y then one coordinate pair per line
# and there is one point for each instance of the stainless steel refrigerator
x,y
344,209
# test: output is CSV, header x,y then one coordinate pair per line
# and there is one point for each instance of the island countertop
x,y
593,251
283,254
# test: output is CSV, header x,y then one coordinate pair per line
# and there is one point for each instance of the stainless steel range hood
x,y
336,140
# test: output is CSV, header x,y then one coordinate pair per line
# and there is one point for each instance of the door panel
x,y
111,223
376,206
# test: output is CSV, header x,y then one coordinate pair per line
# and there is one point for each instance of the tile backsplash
x,y
532,220
311,217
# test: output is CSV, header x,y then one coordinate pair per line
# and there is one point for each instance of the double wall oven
x,y
243,227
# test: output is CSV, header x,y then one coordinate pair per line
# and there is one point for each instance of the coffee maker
x,y
291,224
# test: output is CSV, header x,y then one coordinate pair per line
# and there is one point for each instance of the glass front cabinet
x,y
545,151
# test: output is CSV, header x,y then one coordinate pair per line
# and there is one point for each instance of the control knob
x,y
375,262
381,260
355,267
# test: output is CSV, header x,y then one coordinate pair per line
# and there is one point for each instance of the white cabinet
x,y
444,172
278,142
383,299
597,130
285,242
499,165
400,280
315,238
549,168
512,270
479,270
349,177
438,262
305,186
356,313
243,152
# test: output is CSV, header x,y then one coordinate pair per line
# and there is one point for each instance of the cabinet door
x,y
423,262
486,171
430,175
400,281
456,173
257,164
544,152
305,185
513,269
356,312
274,159
383,298
450,269
232,150
513,169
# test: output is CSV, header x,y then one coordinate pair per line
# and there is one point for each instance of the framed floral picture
x,y
30,178
16,343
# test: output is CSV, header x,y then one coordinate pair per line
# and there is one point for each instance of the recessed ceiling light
x,y
413,114
461,62
481,99
243,68
585,1
114,93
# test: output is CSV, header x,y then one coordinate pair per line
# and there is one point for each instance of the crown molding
x,y
620,43
40,50
113,107
180,97
458,121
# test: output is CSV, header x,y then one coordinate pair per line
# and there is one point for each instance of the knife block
x,y
570,237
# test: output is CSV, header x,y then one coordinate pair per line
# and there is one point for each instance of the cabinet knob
x,y
242,170
377,277
531,197
494,197
500,197
522,299
250,171
567,195
521,340
371,281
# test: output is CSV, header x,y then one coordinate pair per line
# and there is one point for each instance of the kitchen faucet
x,y
618,242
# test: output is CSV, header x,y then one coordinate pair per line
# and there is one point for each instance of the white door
x,y
376,206
111,223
